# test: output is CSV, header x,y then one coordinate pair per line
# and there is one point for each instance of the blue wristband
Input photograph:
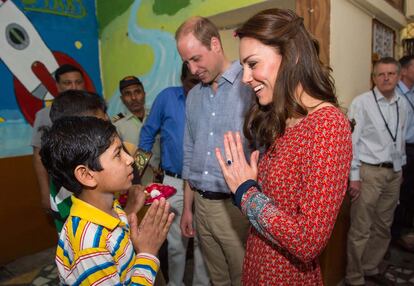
x,y
242,189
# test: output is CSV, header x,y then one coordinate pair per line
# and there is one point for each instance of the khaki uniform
x,y
129,128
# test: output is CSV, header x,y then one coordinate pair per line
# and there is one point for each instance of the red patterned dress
x,y
302,178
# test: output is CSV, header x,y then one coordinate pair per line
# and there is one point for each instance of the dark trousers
x,y
404,214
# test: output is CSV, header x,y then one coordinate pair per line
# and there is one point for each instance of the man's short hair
x,y
406,60
387,60
65,69
128,81
76,103
74,141
202,29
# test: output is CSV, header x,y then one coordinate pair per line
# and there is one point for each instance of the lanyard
x,y
405,95
394,138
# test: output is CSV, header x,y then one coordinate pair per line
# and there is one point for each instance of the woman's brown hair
x,y
284,31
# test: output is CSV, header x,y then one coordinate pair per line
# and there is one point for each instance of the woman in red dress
x,y
292,197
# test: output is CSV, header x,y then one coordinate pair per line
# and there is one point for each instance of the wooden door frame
x,y
317,19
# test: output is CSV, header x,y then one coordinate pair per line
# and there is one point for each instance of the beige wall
x,y
228,21
350,50
351,42
230,44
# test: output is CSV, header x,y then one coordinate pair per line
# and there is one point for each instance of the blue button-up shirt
x,y
408,95
209,115
167,116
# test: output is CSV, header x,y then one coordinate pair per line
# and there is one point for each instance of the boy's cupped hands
x,y
151,232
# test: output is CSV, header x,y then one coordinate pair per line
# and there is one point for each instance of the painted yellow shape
x,y
78,45
2,120
121,56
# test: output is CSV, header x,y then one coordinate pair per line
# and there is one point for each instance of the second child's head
x,y
85,153
78,103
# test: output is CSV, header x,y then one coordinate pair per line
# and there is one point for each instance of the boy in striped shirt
x,y
82,103
98,243
71,103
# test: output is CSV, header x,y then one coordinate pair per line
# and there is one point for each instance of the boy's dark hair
x,y
76,103
74,141
65,69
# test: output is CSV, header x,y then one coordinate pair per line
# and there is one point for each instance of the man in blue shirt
x,y
216,105
404,214
167,117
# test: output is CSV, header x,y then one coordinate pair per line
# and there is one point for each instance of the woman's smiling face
x,y
260,68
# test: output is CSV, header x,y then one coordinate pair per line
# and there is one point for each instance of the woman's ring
x,y
229,162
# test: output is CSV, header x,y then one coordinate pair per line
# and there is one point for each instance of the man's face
x,y
386,78
407,73
202,61
70,80
133,97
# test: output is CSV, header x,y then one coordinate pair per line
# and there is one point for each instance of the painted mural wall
x,y
37,36
137,38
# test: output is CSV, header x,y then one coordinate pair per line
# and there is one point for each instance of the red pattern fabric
x,y
305,173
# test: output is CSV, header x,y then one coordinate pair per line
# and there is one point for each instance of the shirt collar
x,y
181,93
129,115
404,88
229,75
90,213
381,97
232,72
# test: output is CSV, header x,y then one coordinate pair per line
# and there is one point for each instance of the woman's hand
x,y
236,170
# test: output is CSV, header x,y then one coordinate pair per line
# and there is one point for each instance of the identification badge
x,y
396,159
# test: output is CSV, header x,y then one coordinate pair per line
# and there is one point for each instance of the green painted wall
x,y
137,38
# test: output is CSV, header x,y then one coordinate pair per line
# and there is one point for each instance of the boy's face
x,y
117,170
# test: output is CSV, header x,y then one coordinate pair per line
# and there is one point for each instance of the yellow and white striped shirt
x,y
95,248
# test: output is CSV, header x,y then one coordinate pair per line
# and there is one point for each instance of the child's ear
x,y
85,176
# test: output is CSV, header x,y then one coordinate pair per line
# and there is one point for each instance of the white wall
x,y
350,50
